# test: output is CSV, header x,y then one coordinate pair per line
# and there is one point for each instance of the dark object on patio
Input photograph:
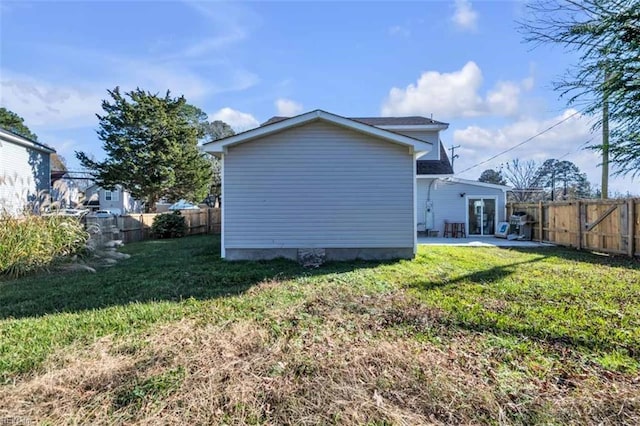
x,y
454,229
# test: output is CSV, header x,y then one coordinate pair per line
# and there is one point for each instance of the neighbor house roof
x,y
219,145
10,136
379,121
436,167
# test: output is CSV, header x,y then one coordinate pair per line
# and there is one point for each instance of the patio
x,y
478,242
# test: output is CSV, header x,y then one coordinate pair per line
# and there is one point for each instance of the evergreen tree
x,y
152,150
606,36
562,180
492,176
12,122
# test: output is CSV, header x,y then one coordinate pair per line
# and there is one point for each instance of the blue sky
x,y
462,61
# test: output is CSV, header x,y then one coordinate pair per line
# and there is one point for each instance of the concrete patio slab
x,y
479,242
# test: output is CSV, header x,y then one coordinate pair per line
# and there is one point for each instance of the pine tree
x,y
151,146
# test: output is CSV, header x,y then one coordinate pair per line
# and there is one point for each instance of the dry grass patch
x,y
336,358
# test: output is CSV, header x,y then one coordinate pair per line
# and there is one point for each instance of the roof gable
x,y
219,146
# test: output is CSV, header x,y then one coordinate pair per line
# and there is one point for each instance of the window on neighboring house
x,y
111,195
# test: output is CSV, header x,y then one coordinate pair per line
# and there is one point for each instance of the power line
x,y
575,150
521,143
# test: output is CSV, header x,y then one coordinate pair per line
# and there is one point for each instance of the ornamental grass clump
x,y
34,242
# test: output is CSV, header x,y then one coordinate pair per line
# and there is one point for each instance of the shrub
x,y
169,225
34,242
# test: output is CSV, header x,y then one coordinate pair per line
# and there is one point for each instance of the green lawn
x,y
458,335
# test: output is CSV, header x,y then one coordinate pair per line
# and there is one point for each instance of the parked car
x,y
102,213
67,212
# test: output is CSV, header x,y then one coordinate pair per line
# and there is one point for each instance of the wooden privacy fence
x,y
610,226
137,226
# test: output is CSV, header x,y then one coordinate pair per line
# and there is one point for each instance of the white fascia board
x,y
400,127
219,145
451,178
483,184
10,137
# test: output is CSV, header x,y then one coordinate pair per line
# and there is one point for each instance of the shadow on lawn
x,y
485,276
573,255
159,270
480,322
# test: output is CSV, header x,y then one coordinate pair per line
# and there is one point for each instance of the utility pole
x,y
605,137
453,154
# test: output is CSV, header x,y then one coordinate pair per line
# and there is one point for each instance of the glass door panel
x,y
481,213
488,216
475,212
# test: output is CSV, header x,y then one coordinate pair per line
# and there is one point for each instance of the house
x,y
117,200
25,172
350,187
444,198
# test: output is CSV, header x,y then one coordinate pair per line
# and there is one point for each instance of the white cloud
x,y
557,141
44,104
566,141
504,98
287,107
229,24
238,120
207,45
528,83
464,17
455,94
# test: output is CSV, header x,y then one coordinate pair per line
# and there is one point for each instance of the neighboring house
x,y
117,200
355,187
25,172
65,192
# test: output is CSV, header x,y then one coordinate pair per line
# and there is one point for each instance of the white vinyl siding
x,y
432,136
24,173
448,204
318,185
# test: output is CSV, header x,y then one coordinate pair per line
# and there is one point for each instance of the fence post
x,y
579,231
631,220
540,221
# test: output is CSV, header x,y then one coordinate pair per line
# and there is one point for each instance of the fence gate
x,y
605,226
611,226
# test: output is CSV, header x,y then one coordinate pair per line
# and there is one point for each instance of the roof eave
x,y
11,137
442,126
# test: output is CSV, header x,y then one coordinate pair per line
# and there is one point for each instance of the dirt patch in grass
x,y
335,358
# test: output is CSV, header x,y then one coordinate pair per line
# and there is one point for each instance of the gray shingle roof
x,y
436,167
396,121
274,119
377,121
